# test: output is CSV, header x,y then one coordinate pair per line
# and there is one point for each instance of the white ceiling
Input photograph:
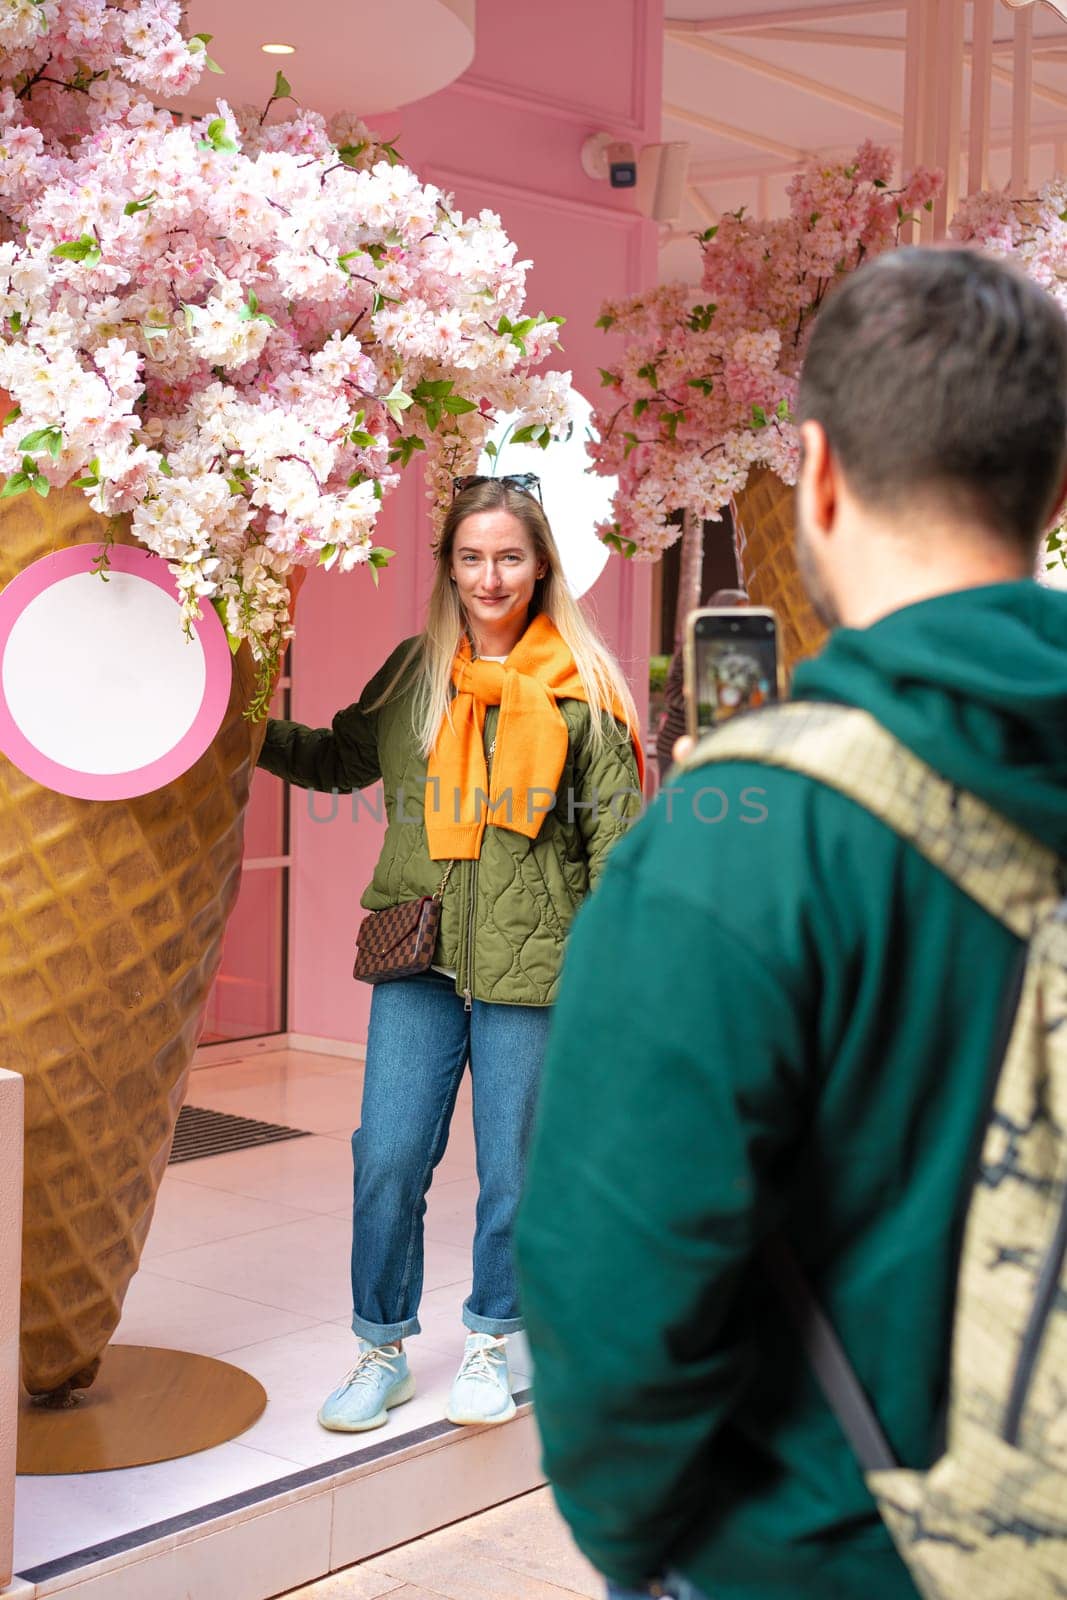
x,y
376,55
766,82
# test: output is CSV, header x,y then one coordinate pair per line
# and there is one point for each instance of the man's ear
x,y
817,486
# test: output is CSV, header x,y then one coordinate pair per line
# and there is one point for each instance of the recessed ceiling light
x,y
278,49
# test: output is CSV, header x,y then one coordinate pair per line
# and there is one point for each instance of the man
x,y
786,1025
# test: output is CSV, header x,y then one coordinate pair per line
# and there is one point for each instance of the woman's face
x,y
494,567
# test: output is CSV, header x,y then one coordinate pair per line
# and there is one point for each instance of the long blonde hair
x,y
434,651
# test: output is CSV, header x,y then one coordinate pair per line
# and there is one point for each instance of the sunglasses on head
x,y
526,482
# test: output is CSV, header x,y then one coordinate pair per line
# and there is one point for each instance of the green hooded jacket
x,y
775,1015
504,917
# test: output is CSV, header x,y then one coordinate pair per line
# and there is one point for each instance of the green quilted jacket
x,y
505,916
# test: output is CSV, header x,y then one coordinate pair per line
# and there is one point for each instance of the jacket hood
x,y
975,683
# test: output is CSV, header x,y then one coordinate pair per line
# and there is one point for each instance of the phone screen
x,y
735,664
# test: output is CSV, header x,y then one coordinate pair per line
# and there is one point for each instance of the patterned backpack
x,y
988,1521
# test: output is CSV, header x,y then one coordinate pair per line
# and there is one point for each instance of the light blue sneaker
x,y
481,1391
379,1380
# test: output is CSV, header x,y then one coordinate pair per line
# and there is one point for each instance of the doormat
x,y
202,1133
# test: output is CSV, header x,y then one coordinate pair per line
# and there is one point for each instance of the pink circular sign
x,y
102,694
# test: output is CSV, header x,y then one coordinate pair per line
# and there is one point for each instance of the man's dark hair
x,y
940,377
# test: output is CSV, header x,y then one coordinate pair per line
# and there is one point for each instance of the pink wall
x,y
506,136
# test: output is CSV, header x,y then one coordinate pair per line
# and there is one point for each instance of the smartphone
x,y
731,664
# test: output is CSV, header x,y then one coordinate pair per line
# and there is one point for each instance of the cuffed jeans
x,y
418,1046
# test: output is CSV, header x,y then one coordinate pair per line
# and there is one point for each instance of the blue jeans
x,y
418,1045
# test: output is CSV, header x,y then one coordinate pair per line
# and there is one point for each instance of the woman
x,y
505,738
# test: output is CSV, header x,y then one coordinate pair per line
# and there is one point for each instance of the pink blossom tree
x,y
703,389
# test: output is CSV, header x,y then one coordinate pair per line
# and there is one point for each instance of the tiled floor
x,y
248,1259
517,1551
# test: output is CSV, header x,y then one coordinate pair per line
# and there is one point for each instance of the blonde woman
x,y
505,737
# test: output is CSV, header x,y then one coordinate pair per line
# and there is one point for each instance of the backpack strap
x,y
1015,877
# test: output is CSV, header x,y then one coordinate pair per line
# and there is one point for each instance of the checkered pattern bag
x,y
400,941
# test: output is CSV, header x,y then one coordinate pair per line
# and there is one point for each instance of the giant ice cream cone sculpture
x,y
111,920
764,527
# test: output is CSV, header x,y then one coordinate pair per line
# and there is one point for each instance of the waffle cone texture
x,y
765,531
111,922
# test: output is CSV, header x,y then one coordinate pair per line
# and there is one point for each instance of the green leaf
x,y
640,407
131,208
632,441
391,153
879,183
782,412
379,557
670,421
609,380
13,415
431,389
41,486
219,606
92,476
625,547
525,435
759,417
456,406
17,483
283,89
217,138
86,250
705,385
928,205
165,467
606,320
491,450
350,153
14,322
50,439
362,439
649,372
396,402
405,447
709,233
328,556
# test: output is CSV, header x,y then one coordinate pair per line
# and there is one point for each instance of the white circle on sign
x,y
75,673
575,498
102,694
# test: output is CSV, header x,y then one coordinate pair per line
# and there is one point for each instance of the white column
x,y
1021,90
946,82
981,96
913,106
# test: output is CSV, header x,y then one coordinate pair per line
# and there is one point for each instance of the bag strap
x,y
1015,877
829,1361
439,892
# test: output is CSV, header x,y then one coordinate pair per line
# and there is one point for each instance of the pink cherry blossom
x,y
704,385
238,330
